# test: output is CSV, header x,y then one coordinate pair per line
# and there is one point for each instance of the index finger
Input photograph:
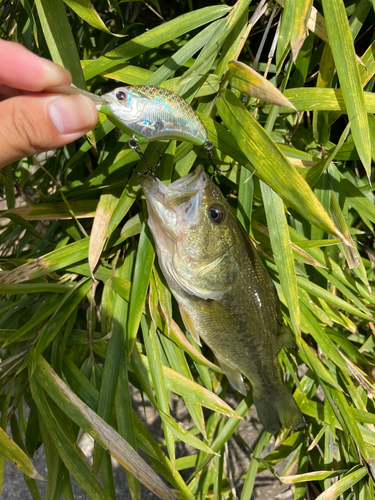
x,y
21,69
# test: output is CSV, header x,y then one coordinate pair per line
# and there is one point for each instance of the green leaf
x,y
282,250
153,351
106,206
86,10
271,165
293,27
184,435
48,263
142,273
15,289
59,38
310,476
248,486
353,476
342,46
193,391
102,432
65,447
66,308
117,317
247,80
55,211
126,424
154,38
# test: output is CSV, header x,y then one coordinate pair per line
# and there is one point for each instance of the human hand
x,y
30,121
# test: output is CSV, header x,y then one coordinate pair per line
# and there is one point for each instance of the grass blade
x,y
14,454
100,430
272,167
342,46
59,38
142,274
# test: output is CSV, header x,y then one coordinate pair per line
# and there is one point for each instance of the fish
x,y
152,113
225,295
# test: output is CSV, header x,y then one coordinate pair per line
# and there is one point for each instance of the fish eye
x,y
216,214
120,95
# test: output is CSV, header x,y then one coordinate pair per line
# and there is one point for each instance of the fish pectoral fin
x,y
235,378
192,288
190,326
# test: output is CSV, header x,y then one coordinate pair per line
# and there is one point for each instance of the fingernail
x,y
53,74
73,114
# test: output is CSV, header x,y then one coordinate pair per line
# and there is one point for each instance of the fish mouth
x,y
188,181
187,188
152,187
176,206
178,191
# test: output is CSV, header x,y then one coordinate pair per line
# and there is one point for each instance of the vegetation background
x,y
85,324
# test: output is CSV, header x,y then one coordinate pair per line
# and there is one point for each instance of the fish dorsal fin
x,y
234,376
190,326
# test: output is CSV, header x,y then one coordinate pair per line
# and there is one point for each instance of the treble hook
x,y
134,144
208,146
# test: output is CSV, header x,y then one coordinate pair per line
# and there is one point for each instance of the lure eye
x,y
120,95
216,214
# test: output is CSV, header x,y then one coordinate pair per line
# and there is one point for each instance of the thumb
x,y
34,123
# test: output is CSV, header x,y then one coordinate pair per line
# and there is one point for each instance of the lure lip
x,y
98,100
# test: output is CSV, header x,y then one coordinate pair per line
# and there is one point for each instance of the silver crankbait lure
x,y
148,114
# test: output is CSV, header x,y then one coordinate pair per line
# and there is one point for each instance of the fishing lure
x,y
148,114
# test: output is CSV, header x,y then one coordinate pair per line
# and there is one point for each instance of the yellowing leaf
x,y
247,80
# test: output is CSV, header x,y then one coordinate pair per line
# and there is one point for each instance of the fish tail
x,y
277,408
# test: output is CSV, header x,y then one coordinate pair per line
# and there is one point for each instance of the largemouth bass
x,y
225,295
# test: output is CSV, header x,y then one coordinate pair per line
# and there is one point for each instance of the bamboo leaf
x,y
247,80
55,211
184,435
282,250
310,476
253,467
100,430
272,167
344,56
61,315
125,422
48,263
14,454
353,476
153,352
293,27
117,317
86,10
142,274
68,453
315,23
20,289
103,214
59,37
193,391
313,99
154,38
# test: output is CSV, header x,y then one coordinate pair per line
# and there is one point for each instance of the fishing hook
x,y
134,144
208,146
